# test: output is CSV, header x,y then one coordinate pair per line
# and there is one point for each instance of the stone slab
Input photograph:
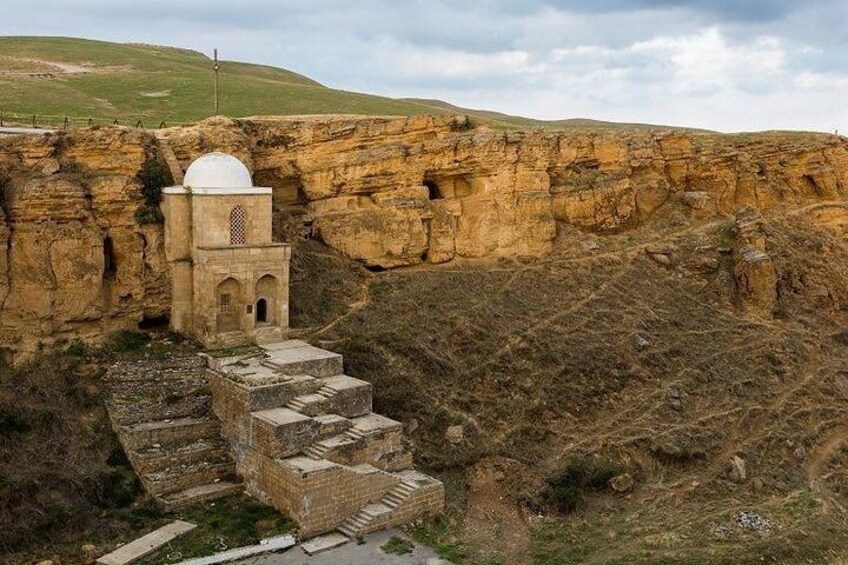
x,y
294,357
368,553
344,382
323,543
269,545
373,422
306,464
281,416
144,545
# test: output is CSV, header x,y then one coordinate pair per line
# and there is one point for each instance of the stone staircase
x,y
161,411
170,158
307,442
286,421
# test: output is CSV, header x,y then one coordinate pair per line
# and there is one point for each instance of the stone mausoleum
x,y
230,280
281,420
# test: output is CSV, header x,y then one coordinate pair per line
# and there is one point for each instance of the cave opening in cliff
x,y
375,268
154,322
433,190
449,185
110,267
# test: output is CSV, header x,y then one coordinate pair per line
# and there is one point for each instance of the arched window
x,y
238,226
228,298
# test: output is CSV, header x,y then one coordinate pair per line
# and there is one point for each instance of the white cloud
x,y
708,60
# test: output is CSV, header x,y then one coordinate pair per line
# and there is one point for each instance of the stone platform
x,y
305,440
284,420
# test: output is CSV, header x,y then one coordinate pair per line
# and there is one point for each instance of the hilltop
x,y
55,77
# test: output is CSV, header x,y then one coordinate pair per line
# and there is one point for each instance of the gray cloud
x,y
713,63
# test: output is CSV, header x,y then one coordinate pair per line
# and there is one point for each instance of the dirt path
x,y
823,453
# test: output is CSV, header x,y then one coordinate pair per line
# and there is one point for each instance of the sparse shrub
x,y
466,124
147,215
153,177
127,341
76,349
116,487
117,458
566,488
398,546
841,337
70,167
12,423
676,454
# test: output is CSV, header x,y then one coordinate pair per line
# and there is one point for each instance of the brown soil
x,y
607,354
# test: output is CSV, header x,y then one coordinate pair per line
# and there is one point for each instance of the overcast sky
x,y
720,64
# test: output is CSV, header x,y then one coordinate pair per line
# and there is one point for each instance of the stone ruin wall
x,y
387,192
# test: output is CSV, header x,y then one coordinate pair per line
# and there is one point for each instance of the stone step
x,y
393,498
323,543
151,459
378,443
175,479
177,501
167,153
269,335
374,424
350,532
282,432
375,510
168,433
332,424
315,452
341,395
309,404
169,407
295,357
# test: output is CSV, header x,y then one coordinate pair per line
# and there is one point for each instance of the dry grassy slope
x,y
540,361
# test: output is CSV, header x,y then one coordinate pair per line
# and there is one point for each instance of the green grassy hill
x,y
151,83
57,77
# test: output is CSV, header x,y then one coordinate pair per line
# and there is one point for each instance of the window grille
x,y
225,303
238,226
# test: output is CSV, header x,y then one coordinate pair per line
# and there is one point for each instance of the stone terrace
x,y
161,411
306,441
285,420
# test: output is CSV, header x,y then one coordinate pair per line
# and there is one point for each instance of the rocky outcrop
x,y
76,263
400,192
387,192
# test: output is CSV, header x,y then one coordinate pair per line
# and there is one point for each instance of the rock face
x,y
75,262
387,192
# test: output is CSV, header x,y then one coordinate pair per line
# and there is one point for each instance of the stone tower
x,y
230,280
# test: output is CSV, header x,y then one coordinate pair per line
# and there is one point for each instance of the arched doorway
x,y
267,296
228,300
261,311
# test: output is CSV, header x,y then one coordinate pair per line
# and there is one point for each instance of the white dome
x,y
217,170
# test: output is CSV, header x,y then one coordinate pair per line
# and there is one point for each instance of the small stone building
x,y
230,280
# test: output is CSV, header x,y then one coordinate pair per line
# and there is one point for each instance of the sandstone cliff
x,y
387,192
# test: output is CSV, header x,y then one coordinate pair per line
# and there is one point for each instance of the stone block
x,y
294,357
281,432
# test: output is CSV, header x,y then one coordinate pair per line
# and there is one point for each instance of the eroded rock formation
x,y
387,192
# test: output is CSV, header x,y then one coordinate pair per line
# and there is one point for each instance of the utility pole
x,y
215,67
